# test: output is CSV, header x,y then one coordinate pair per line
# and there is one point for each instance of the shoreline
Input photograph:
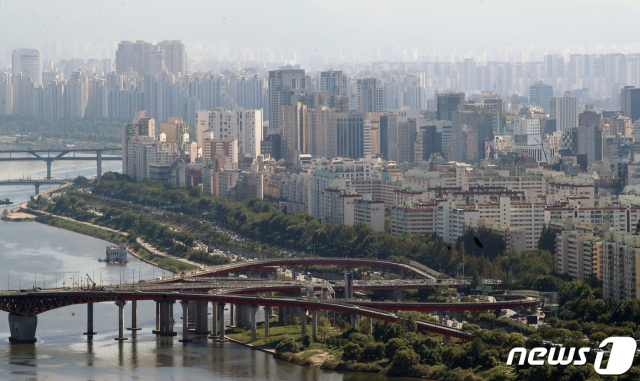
x,y
134,253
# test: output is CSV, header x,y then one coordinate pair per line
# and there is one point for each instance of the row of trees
x,y
99,129
265,222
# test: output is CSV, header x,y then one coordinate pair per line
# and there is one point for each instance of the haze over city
x,y
320,190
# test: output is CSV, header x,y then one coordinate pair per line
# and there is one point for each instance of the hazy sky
x,y
324,25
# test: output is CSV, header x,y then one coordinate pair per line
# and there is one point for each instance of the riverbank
x,y
115,237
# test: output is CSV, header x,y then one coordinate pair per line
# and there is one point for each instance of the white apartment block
x,y
514,238
243,125
419,219
578,254
620,219
453,220
565,111
370,212
338,206
620,266
522,126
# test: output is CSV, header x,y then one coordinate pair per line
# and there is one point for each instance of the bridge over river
x,y
243,298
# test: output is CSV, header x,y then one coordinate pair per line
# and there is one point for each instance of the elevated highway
x,y
422,271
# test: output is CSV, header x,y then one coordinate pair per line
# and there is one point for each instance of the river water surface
x,y
35,254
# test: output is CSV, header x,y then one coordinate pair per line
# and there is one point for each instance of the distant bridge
x,y
59,154
36,183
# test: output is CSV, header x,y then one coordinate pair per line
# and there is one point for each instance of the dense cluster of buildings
x,y
409,148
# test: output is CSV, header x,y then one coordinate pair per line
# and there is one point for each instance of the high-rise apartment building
x,y
293,128
564,110
29,63
333,82
540,95
76,95
282,85
145,58
243,125
369,95
249,92
446,103
318,135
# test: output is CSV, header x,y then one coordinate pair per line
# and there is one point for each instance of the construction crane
x,y
92,282
501,86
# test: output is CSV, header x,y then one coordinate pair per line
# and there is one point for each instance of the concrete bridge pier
x,y
202,327
22,328
370,321
253,309
303,321
314,324
121,305
232,315
185,319
37,185
90,332
214,321
99,159
267,316
445,339
134,316
221,322
354,321
49,169
192,313
164,321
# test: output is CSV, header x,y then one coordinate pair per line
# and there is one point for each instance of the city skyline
x,y
485,30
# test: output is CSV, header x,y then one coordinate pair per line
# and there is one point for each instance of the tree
x,y
306,340
287,345
352,352
547,239
324,327
405,358
374,350
364,327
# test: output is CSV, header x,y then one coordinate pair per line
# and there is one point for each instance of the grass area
x,y
163,262
82,229
276,334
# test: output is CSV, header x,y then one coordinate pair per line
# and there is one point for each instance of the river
x,y
34,253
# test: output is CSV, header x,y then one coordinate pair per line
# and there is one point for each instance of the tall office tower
x,y
471,129
333,82
564,110
388,126
446,103
29,63
587,118
349,136
317,135
428,140
175,57
590,142
174,130
76,95
369,95
630,102
282,85
540,95
6,94
292,127
249,92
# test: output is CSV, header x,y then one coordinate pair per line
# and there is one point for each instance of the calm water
x,y
36,253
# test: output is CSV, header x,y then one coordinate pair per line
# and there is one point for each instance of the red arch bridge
x,y
23,308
